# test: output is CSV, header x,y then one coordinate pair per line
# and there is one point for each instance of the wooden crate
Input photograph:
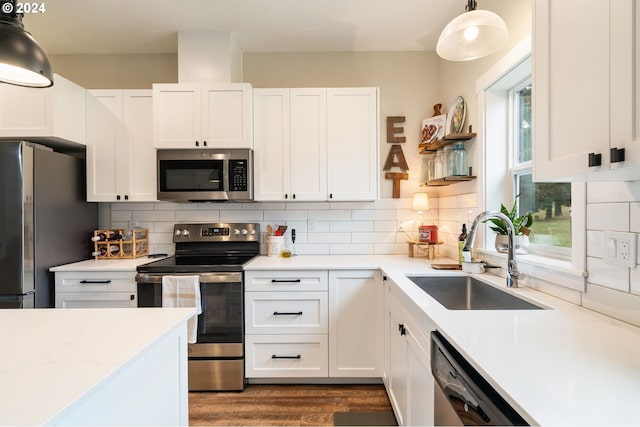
x,y
128,247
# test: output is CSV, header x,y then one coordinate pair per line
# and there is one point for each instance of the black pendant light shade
x,y
22,61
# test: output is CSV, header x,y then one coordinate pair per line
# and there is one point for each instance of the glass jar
x,y
430,161
438,164
446,159
458,160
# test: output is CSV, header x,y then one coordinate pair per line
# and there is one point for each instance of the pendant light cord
x,y
471,5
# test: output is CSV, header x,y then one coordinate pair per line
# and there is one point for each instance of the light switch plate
x,y
621,248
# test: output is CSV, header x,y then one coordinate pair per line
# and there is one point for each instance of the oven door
x,y
222,317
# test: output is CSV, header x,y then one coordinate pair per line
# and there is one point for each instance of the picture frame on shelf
x,y
433,129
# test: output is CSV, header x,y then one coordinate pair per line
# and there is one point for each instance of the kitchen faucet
x,y
512,267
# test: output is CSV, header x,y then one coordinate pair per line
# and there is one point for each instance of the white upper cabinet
x,y
121,160
352,143
583,90
316,144
188,115
56,113
309,144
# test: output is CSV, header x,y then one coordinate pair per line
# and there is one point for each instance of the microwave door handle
x,y
225,174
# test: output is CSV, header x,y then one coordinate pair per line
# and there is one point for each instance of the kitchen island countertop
x,y
54,361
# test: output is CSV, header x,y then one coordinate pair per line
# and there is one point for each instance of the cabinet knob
x,y
402,329
197,144
616,155
132,297
331,195
126,197
595,159
118,197
204,143
286,196
293,196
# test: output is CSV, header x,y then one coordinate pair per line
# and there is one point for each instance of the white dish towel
x,y
183,291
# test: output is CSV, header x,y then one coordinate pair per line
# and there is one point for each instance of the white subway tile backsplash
x,y
161,227
242,216
608,216
285,215
330,215
351,205
307,205
469,200
595,244
616,304
312,249
351,226
614,192
197,216
132,206
635,280
634,217
351,249
121,216
263,206
154,216
390,248
329,237
389,237
607,275
363,215
385,226
173,207
403,203
160,238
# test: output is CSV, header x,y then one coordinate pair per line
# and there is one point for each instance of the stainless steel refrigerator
x,y
44,221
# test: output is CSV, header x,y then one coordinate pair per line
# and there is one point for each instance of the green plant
x,y
521,223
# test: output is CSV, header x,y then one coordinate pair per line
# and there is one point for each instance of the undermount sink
x,y
468,293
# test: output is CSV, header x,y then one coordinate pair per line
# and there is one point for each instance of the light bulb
x,y
471,33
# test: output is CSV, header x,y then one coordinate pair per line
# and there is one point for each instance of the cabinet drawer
x,y
286,312
286,356
293,280
96,281
96,300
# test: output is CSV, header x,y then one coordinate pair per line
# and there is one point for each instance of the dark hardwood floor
x,y
285,405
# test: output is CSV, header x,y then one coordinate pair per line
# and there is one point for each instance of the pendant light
x,y
22,61
472,35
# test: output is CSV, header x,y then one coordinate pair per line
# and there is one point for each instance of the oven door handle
x,y
205,278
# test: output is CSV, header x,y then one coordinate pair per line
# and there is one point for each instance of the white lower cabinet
x,y
407,376
355,323
286,324
95,289
284,355
314,323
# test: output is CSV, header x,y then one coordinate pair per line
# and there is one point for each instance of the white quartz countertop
x,y
50,358
563,366
104,264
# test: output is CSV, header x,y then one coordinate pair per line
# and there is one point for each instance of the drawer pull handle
x,y
93,282
297,356
283,313
286,280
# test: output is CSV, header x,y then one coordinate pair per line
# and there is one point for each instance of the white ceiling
x,y
151,26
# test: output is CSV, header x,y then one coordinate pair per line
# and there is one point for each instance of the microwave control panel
x,y
238,175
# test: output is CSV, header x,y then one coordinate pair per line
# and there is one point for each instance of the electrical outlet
x,y
621,248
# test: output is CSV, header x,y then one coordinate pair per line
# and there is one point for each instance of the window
x,y
550,203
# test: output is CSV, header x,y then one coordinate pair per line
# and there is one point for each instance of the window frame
x,y
516,168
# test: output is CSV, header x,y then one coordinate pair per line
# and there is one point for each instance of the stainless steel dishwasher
x,y
462,396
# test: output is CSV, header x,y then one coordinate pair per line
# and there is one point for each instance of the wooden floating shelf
x,y
448,181
452,138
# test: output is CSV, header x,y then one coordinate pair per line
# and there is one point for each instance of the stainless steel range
x,y
216,253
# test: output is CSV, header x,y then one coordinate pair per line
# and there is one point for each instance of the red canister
x,y
428,234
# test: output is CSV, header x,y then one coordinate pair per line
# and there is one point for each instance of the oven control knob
x,y
252,232
236,232
244,232
178,232
185,233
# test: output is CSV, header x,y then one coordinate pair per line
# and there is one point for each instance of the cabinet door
x,y
420,382
25,111
227,116
177,115
308,144
582,84
355,324
352,143
271,140
104,144
138,162
96,300
286,312
396,369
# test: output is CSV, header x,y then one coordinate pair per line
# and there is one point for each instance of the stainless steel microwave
x,y
207,175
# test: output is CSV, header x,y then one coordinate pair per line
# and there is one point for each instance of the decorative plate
x,y
456,116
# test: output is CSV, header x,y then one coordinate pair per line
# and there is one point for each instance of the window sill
x,y
554,271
